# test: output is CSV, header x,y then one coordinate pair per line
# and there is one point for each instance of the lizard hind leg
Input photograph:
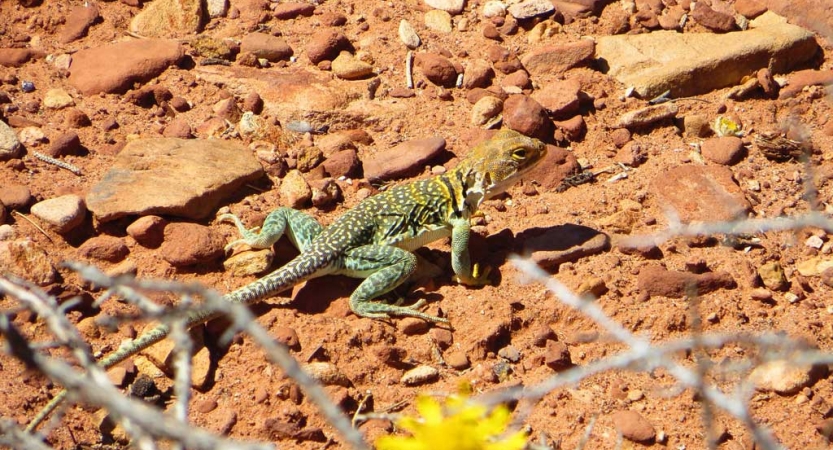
x,y
384,268
299,227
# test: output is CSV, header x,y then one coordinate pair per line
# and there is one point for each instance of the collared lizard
x,y
374,240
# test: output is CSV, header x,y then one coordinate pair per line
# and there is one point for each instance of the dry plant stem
x,y
409,70
95,388
242,319
183,348
647,357
13,437
23,216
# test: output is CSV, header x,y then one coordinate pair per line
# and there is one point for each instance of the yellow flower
x,y
457,425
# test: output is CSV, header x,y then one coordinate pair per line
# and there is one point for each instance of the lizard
x,y
374,240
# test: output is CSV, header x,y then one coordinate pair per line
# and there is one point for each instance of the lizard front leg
x,y
300,228
464,272
383,267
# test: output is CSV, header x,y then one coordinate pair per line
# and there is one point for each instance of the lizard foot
x,y
479,277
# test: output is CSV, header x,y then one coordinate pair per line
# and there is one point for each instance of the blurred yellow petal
x,y
430,409
516,441
400,443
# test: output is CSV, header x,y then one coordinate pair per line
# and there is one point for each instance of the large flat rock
x,y
696,63
178,177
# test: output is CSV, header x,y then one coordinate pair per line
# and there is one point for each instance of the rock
x,y
266,46
491,32
75,118
9,144
405,159
485,110
556,59
249,263
494,8
326,45
62,213
453,7
64,144
15,196
767,82
457,360
116,67
57,99
750,8
633,426
438,20
408,35
78,21
185,178
560,98
15,57
725,150
655,280
31,136
104,248
27,260
620,137
631,154
348,67
527,9
517,81
647,115
294,190
178,128
701,193
711,19
526,116
343,164
216,8
696,125
572,128
286,336
420,375
510,353
781,376
168,19
557,356
148,231
557,164
803,78
292,10
436,68
772,274
325,192
478,74
327,374
410,326
187,244
565,243
690,64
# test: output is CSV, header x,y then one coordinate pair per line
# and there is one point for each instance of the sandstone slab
x,y
186,178
114,68
700,193
404,159
695,63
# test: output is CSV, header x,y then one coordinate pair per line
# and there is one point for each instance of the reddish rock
x,y
555,59
286,336
178,128
75,118
490,31
557,356
560,98
405,159
436,68
803,78
657,281
633,426
526,116
572,128
78,21
726,150
64,144
15,196
286,11
179,104
767,82
478,74
704,193
187,244
750,8
266,46
711,19
148,231
16,57
620,137
518,79
104,248
253,103
631,154
326,45
343,163
116,67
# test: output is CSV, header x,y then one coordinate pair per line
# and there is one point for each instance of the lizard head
x,y
496,164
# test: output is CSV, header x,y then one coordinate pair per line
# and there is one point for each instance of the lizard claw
x,y
479,277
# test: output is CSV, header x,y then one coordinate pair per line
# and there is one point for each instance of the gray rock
x,y
62,213
216,8
451,6
9,144
695,63
781,376
420,375
405,159
185,178
408,35
527,9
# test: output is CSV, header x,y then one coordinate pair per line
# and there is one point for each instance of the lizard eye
x,y
519,153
